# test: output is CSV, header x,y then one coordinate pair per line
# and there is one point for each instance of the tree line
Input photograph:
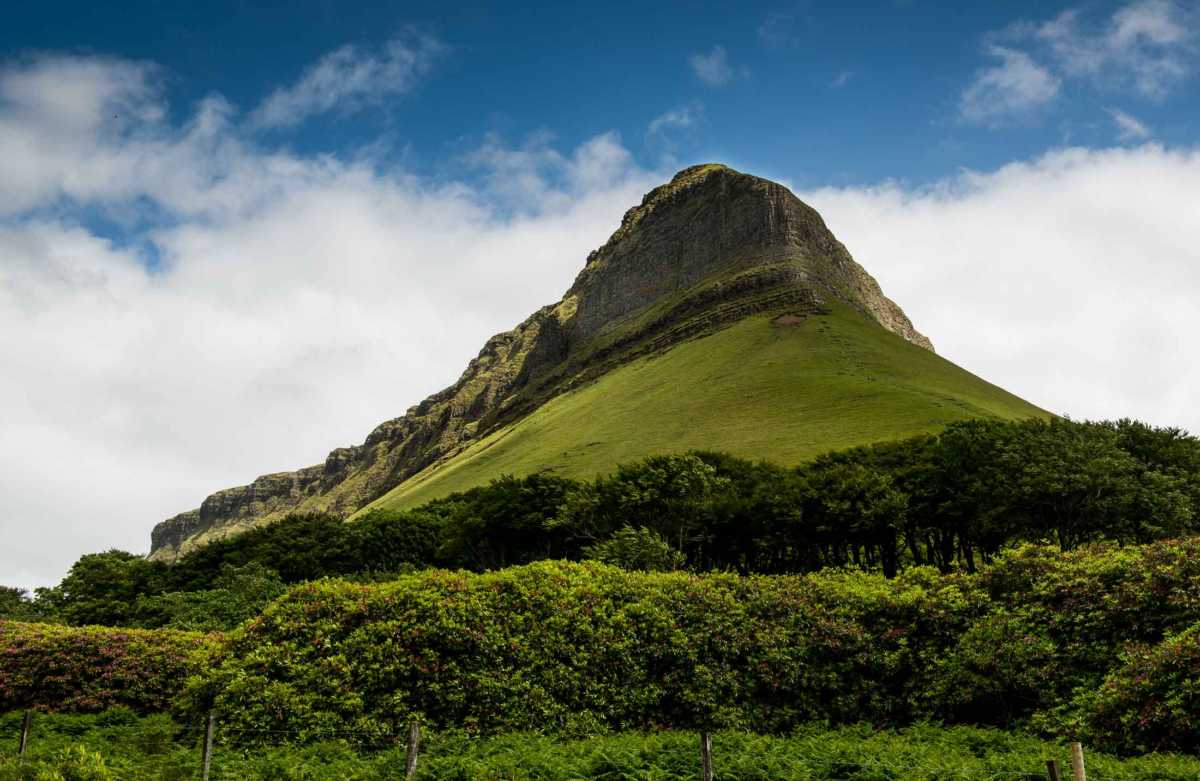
x,y
951,500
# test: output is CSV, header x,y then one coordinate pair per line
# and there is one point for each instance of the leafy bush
x,y
88,669
636,549
239,593
1152,703
583,648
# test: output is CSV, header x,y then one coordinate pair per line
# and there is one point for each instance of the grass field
x,y
119,745
756,389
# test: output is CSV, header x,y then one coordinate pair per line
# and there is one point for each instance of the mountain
x,y
722,314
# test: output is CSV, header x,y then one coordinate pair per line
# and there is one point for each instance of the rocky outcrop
x,y
708,248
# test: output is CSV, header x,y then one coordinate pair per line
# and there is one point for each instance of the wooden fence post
x,y
1052,769
208,743
414,744
25,733
1077,762
706,767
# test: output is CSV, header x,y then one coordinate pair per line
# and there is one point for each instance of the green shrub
x,y
583,648
636,549
577,648
87,669
1152,703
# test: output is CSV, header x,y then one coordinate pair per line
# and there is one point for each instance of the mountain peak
x,y
711,222
709,249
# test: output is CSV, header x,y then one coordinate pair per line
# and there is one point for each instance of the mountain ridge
x,y
703,251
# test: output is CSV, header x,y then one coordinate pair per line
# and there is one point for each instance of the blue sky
x,y
821,93
236,236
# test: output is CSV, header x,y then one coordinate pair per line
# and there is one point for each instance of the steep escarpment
x,y
706,250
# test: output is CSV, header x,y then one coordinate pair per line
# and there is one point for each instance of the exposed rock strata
x,y
707,249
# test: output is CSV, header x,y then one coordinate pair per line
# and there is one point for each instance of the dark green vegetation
x,y
1098,642
754,390
578,649
116,746
951,500
1042,576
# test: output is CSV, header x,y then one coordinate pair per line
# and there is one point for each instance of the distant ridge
x,y
719,283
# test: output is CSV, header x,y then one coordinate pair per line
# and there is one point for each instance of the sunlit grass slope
x,y
756,390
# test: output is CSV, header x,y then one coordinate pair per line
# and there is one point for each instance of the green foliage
x,y
1152,703
76,763
88,669
504,523
636,549
666,494
102,589
16,604
579,648
62,745
306,547
238,594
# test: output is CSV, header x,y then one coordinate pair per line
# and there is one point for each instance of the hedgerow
x,y
578,648
583,648
88,669
1097,641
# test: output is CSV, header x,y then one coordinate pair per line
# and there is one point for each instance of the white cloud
x,y
1146,45
298,303
713,68
1047,277
1014,87
1129,127
682,117
841,79
348,78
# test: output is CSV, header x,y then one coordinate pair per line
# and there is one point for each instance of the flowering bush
x,y
87,669
1152,703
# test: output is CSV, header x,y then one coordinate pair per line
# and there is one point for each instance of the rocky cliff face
x,y
706,249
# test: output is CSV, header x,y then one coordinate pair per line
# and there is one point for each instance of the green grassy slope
x,y
755,389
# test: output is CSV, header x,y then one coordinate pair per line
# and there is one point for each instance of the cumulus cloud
x,y
348,78
1129,127
292,304
1146,47
536,176
1014,87
713,68
1046,277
